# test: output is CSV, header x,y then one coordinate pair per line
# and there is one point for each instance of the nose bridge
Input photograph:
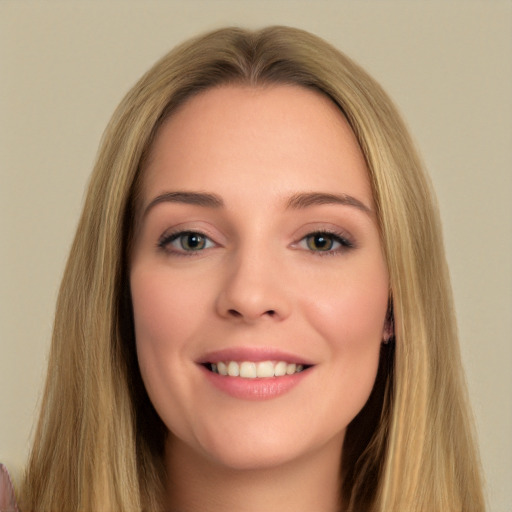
x,y
253,286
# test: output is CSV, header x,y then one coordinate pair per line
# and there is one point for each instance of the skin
x,y
260,281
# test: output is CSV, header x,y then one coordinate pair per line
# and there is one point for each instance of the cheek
x,y
153,311
350,309
349,314
165,319
164,310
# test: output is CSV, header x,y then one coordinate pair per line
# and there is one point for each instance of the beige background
x,y
65,65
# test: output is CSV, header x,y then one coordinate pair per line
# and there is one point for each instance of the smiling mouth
x,y
255,370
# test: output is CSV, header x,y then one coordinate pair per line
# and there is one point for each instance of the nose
x,y
254,288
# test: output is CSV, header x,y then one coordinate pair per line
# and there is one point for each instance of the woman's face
x,y
258,254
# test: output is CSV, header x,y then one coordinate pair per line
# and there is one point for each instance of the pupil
x,y
322,242
193,241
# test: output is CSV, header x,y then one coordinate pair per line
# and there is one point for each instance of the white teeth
x,y
221,368
290,369
280,369
265,369
233,369
252,370
247,370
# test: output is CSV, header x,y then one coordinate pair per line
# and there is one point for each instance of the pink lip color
x,y
254,354
254,389
258,388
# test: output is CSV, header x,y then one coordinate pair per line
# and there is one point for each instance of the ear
x,y
388,331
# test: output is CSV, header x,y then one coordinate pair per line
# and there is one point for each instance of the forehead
x,y
282,137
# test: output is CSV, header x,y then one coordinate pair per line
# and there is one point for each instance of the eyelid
x,y
330,228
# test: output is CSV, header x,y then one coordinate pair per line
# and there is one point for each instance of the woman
x,y
256,311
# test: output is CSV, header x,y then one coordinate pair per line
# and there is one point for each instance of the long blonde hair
x,y
99,443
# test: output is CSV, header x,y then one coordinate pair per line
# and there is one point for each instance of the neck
x,y
198,484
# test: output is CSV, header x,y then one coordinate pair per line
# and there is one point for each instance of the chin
x,y
262,447
247,458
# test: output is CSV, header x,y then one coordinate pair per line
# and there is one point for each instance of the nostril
x,y
236,314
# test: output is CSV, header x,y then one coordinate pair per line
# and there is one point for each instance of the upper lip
x,y
254,354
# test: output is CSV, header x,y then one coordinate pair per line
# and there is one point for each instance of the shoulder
x,y
7,499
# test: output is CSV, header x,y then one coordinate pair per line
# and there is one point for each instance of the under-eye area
x,y
255,370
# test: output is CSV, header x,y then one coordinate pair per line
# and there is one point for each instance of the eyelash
x,y
331,236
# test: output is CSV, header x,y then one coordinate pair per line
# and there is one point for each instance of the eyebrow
x,y
195,198
305,200
296,202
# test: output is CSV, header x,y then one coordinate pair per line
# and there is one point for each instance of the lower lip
x,y
255,389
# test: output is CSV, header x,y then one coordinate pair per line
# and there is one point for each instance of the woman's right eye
x,y
185,242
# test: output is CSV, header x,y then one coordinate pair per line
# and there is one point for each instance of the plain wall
x,y
64,66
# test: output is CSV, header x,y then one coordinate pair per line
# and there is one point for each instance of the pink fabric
x,y
7,499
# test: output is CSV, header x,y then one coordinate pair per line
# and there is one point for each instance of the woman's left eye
x,y
185,242
324,242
